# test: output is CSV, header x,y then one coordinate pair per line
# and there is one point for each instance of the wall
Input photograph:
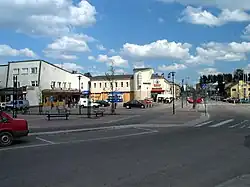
x,y
51,73
143,90
3,75
100,86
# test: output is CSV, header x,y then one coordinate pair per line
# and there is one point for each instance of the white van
x,y
85,102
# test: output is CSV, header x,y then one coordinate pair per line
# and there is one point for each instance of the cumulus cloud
x,y
46,17
100,47
6,50
158,49
199,16
172,67
221,4
70,66
63,47
117,61
160,20
209,71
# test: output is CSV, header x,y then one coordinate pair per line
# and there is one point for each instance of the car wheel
x,y
142,106
127,107
6,138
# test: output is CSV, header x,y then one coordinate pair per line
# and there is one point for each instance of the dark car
x,y
103,103
134,104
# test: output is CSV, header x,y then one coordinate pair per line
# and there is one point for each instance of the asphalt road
x,y
177,157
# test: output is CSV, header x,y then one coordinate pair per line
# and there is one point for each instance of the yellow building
x,y
239,90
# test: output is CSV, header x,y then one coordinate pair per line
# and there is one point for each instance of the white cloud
x,y
209,71
46,17
158,49
63,46
221,4
173,67
70,66
117,61
6,50
246,32
202,17
91,58
212,51
100,47
139,64
160,20
120,71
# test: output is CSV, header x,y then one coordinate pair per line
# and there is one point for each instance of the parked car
x,y
103,103
85,102
11,128
18,104
134,104
199,100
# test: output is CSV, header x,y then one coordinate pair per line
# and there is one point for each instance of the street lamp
x,y
173,88
14,95
79,78
182,92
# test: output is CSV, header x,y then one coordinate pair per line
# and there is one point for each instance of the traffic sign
x,y
203,86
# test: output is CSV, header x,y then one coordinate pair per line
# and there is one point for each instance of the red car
x,y
11,128
199,100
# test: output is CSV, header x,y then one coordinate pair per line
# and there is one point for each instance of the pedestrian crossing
x,y
225,123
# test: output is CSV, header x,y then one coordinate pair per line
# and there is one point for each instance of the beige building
x,y
101,87
142,84
239,90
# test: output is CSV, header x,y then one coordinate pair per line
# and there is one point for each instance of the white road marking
x,y
43,140
202,124
77,141
144,129
222,123
238,124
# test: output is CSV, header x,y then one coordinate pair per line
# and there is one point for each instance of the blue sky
x,y
189,37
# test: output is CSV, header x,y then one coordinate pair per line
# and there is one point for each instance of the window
x,y
25,71
127,84
105,84
233,89
121,84
248,89
53,84
69,85
64,85
82,85
59,84
34,83
116,84
100,85
34,70
16,71
94,85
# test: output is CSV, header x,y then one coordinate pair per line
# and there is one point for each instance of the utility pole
x,y
182,93
79,78
186,91
14,96
172,74
88,100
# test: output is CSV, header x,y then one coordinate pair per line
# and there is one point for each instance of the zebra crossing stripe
x,y
202,124
238,124
221,123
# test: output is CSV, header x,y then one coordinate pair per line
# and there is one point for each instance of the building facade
x,y
142,84
239,90
42,82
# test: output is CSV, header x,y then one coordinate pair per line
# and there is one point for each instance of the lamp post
x,y
88,96
186,91
79,78
172,74
14,95
182,92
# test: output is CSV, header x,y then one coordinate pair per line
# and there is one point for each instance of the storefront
x,y
6,94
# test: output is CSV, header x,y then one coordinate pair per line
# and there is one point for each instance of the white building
x,y
43,81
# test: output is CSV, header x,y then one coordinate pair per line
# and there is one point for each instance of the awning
x,y
157,90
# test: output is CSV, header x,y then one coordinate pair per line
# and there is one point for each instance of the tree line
x,y
224,78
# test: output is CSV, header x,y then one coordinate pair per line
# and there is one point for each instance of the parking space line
x,y
78,141
43,140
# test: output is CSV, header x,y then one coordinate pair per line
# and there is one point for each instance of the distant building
x,y
239,90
